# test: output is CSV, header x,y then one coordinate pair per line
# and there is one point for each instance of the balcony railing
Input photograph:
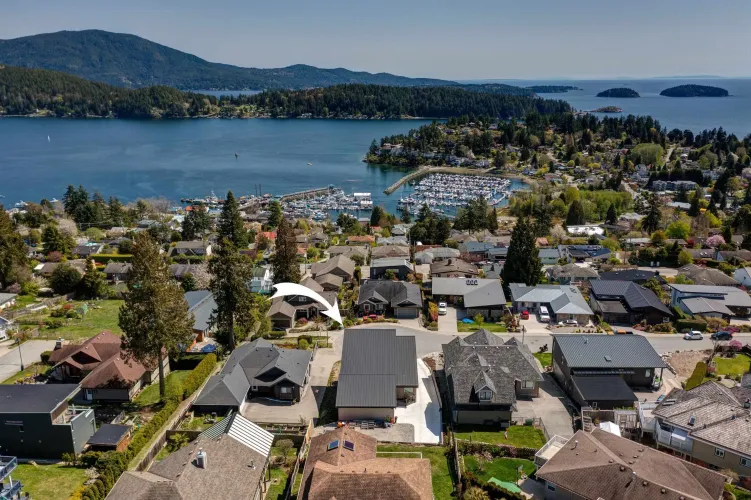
x,y
12,488
667,438
10,491
7,465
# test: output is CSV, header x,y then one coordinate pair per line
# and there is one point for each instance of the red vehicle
x,y
525,314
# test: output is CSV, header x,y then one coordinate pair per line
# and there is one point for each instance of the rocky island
x,y
608,109
695,91
618,92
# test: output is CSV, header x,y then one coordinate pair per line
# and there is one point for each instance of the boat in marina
x,y
455,191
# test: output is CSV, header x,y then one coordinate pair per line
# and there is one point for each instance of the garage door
x,y
405,313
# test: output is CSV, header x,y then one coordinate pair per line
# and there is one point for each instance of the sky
x,y
478,39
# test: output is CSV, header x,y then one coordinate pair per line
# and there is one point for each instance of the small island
x,y
695,91
619,92
608,109
551,89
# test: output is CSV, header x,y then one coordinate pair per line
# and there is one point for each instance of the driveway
x,y
10,362
424,414
548,406
447,322
533,325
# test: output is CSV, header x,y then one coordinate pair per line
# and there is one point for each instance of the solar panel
x,y
349,445
333,445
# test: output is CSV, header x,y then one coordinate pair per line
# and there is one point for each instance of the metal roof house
x,y
256,369
378,369
718,300
486,375
603,369
562,301
627,302
202,304
638,276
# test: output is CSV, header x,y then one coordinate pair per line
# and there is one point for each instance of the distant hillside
x,y
695,91
130,61
618,92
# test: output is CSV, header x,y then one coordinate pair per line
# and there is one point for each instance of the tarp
x,y
611,428
505,485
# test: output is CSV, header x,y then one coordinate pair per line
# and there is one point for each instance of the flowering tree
x,y
735,345
715,240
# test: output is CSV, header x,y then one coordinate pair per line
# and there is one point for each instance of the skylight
x,y
333,445
349,445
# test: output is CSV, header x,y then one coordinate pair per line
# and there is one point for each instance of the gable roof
x,y
374,363
477,292
729,295
699,305
338,263
563,299
395,293
624,351
632,275
453,266
390,251
636,296
573,271
602,465
202,304
115,372
390,262
707,276
603,388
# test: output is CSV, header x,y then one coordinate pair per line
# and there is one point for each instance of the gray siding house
x,y
400,267
403,300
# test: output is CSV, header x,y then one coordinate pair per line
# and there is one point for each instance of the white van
x,y
544,316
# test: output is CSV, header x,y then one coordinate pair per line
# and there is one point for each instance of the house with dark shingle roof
x,y
191,249
601,465
571,273
343,464
201,304
453,268
400,267
486,375
706,276
638,276
118,271
604,369
86,251
256,369
716,301
625,302
341,266
378,370
403,300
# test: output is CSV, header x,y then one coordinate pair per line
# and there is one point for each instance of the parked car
x,y
442,309
569,322
721,336
525,314
544,316
624,332
693,335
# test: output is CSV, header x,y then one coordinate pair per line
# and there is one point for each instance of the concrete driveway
x,y
447,322
548,406
533,325
10,362
424,414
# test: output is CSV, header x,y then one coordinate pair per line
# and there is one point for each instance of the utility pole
x,y
18,341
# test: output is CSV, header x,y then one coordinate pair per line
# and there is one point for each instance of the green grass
x,y
473,327
440,470
49,482
150,395
740,493
102,315
163,453
520,436
276,491
737,365
199,423
24,300
545,358
499,468
33,369
277,452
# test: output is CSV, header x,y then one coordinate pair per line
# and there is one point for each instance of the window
x,y
485,395
349,445
528,384
286,390
551,487
746,462
719,452
648,373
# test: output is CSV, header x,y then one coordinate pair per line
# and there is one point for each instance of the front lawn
x,y
473,327
520,436
150,395
101,315
49,482
737,365
545,358
31,371
504,469
440,470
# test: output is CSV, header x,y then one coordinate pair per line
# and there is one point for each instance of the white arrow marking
x,y
332,311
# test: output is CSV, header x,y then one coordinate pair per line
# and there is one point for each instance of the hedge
x,y
697,377
45,357
105,258
691,324
199,374
679,313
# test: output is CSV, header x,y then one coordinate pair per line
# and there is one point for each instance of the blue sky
x,y
480,39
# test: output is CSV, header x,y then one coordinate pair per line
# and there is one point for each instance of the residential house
x,y
228,461
600,465
117,271
256,369
562,301
475,250
486,375
638,276
86,251
401,268
284,311
350,251
341,266
430,255
706,276
743,276
7,300
496,254
392,240
330,282
453,268
402,300
343,464
709,425
202,305
45,270
702,253
476,295
365,240
5,325
707,300
626,302
262,281
549,256
401,229
602,370
110,437
584,253
178,271
734,256
37,421
492,271
190,249
390,251
571,273
378,369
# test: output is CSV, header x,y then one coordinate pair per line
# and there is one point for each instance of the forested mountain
x,y
130,61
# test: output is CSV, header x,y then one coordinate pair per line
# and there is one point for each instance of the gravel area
x,y
398,433
684,362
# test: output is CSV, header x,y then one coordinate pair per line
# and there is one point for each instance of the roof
x,y
573,271
338,263
477,292
624,351
706,276
374,362
395,293
636,296
632,275
180,270
329,279
115,372
484,359
453,266
109,435
390,251
7,297
387,262
699,305
202,304
549,253
354,473
743,255
118,268
476,246
563,299
604,388
34,398
90,353
731,296
192,244
602,465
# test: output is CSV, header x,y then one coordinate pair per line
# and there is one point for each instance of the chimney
x,y
58,344
576,443
202,459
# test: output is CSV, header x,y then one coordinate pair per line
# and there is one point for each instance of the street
x,y
10,362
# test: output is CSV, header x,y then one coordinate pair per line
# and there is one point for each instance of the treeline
x,y
382,101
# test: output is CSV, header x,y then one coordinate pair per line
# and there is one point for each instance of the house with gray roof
x,y
453,268
562,301
201,304
477,295
706,276
584,253
401,299
604,369
638,276
190,249
341,266
390,251
572,273
401,268
431,255
349,251
378,370
486,375
549,256
717,300
626,302
117,271
256,369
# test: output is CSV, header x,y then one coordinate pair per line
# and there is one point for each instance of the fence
x,y
32,308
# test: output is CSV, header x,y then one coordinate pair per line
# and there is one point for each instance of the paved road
x,y
10,362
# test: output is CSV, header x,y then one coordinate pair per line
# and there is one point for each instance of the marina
x,y
445,193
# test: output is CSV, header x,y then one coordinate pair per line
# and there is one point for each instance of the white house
x,y
4,328
7,300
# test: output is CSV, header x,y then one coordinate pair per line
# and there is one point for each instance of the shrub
x,y
173,389
177,441
106,258
306,338
280,335
54,323
715,324
697,377
302,344
199,374
30,288
45,357
691,324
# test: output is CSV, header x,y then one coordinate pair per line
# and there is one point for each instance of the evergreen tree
x,y
424,213
154,318
284,261
230,225
652,219
195,224
116,212
65,278
13,258
94,282
543,219
231,274
523,264
275,214
188,282
55,241
575,216
746,243
493,219
404,215
611,217
693,210
376,215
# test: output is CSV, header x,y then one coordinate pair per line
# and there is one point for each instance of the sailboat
x,y
48,138
309,163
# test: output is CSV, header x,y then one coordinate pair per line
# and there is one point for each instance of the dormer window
x,y
485,395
